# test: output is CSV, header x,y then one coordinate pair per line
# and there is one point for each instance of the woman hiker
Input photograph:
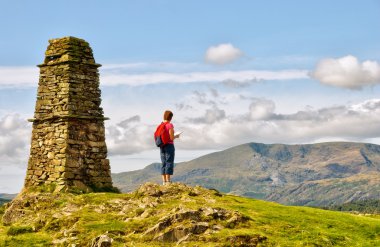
x,y
167,151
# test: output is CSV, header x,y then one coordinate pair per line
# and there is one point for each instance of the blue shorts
x,y
167,159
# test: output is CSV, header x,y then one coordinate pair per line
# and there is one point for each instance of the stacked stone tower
x,y
68,148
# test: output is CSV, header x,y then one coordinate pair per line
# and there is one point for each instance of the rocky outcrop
x,y
173,214
102,241
185,223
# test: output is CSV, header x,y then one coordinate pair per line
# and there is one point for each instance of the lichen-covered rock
x,y
150,189
182,223
21,207
153,214
245,240
102,241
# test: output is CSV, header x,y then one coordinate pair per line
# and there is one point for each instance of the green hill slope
x,y
157,215
4,198
7,196
316,174
363,206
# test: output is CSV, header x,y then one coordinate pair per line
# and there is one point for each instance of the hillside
x,y
177,214
316,174
7,196
364,206
3,201
4,198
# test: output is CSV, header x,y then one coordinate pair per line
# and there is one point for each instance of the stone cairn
x,y
68,149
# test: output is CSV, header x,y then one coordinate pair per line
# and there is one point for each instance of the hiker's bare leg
x,y
167,177
164,178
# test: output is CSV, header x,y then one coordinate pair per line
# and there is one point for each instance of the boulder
x,y
245,240
102,241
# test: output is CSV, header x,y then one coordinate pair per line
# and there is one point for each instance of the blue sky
x,y
231,71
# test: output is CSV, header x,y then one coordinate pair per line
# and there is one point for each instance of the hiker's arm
x,y
172,136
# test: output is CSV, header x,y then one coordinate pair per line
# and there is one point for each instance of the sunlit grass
x,y
95,214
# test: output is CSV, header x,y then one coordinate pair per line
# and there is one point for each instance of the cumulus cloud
x,y
337,123
203,98
261,109
15,135
211,116
222,54
367,106
347,72
129,136
127,122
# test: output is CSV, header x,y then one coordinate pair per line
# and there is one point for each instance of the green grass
x,y
16,236
17,230
289,225
26,240
122,218
3,201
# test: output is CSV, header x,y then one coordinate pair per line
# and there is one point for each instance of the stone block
x,y
56,162
67,175
80,185
38,172
50,155
72,163
93,173
59,169
105,162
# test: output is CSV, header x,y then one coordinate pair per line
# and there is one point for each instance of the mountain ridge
x,y
319,174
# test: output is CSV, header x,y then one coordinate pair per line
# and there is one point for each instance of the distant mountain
x,y
4,198
7,196
315,174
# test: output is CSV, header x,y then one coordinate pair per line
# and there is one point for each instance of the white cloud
x,y
11,77
239,84
11,179
347,72
309,126
211,116
216,129
261,109
112,75
222,54
111,78
129,136
15,135
366,106
203,98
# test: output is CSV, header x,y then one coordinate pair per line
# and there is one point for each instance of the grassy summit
x,y
155,215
